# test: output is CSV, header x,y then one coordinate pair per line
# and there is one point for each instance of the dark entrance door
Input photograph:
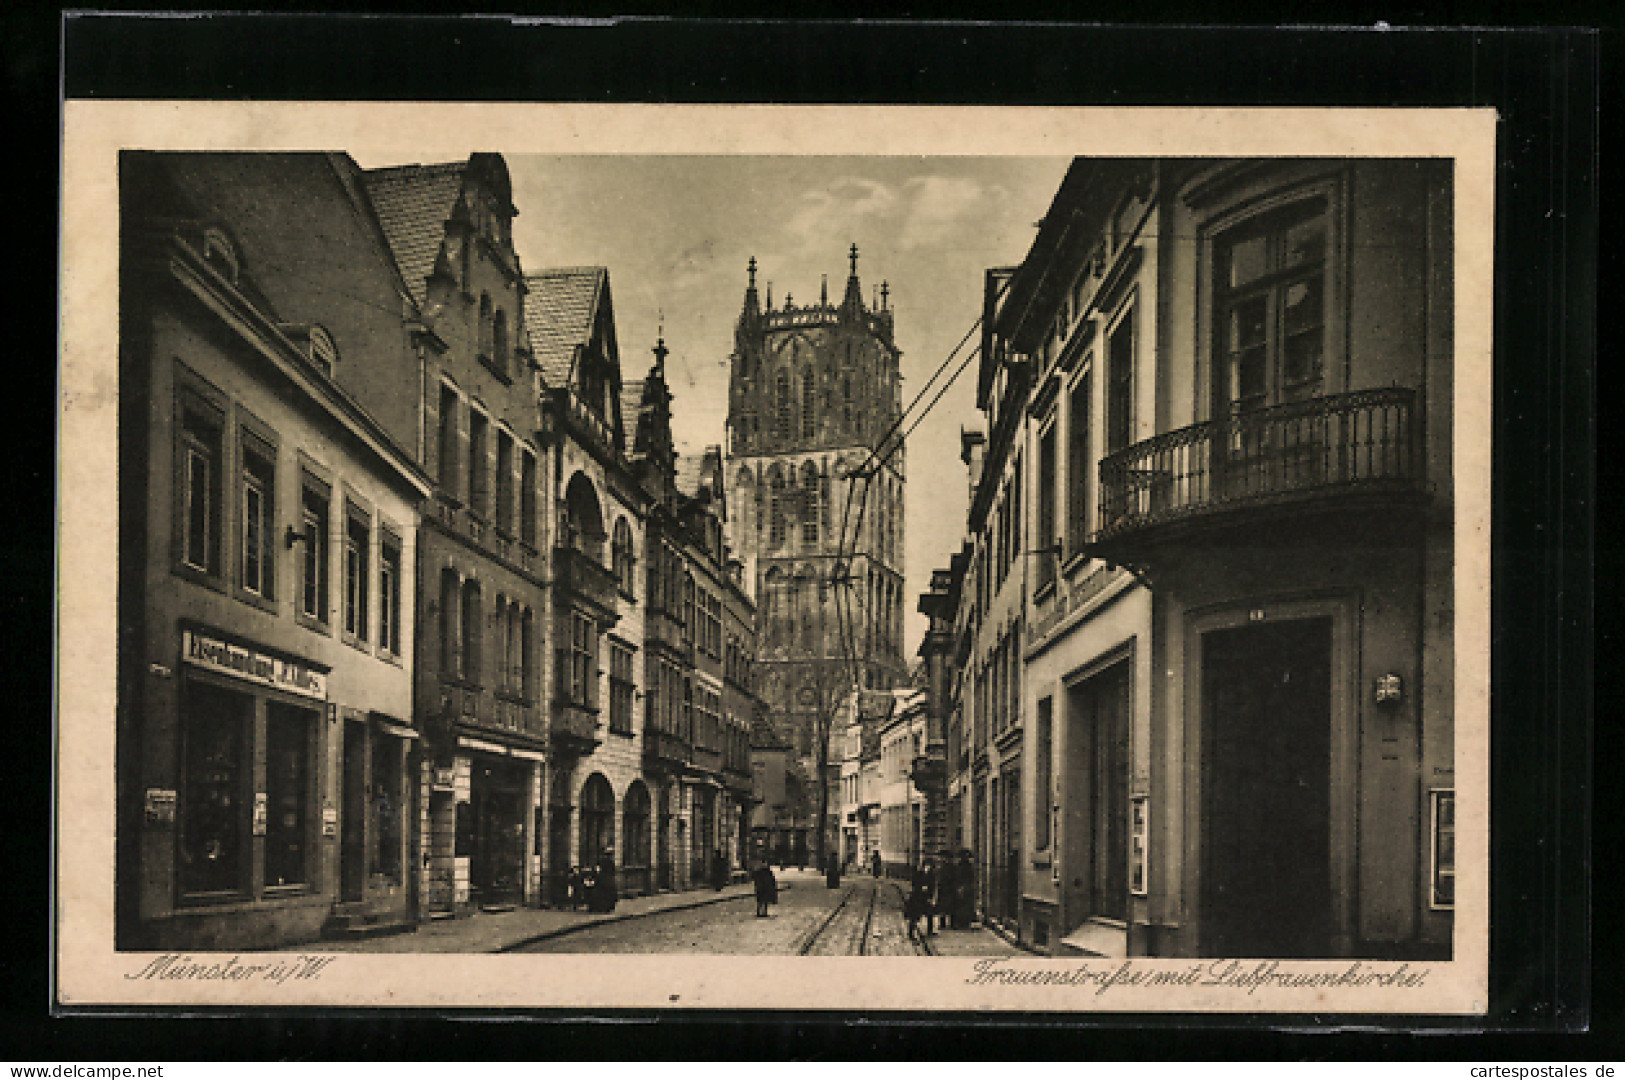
x,y
353,847
1266,868
496,869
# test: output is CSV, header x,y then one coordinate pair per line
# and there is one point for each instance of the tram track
x,y
845,930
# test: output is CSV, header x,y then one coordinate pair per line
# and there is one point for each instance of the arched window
x,y
809,403
484,344
621,555
782,403
499,340
846,401
472,628
775,535
597,821
636,858
809,504
583,522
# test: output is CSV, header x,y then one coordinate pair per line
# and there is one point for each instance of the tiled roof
x,y
560,306
631,405
413,203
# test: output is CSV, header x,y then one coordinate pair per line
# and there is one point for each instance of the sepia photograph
x,y
1054,573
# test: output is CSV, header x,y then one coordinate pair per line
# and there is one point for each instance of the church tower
x,y
814,390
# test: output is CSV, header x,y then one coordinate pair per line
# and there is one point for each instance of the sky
x,y
676,234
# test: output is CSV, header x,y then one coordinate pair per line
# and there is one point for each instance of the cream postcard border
x,y
90,973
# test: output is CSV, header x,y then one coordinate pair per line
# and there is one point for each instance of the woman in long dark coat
x,y
767,889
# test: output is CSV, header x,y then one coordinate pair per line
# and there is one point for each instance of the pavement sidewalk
x,y
493,932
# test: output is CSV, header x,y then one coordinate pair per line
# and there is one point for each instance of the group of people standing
x,y
941,888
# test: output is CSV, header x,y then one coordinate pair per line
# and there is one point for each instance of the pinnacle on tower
x,y
854,291
823,292
750,289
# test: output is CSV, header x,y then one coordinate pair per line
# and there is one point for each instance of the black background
x,y
1546,85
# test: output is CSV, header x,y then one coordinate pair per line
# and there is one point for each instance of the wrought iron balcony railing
x,y
1304,450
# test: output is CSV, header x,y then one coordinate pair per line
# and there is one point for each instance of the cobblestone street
x,y
862,917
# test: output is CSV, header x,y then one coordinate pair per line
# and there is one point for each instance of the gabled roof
x,y
413,203
690,471
561,306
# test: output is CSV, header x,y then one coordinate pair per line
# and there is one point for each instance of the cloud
x,y
937,206
840,206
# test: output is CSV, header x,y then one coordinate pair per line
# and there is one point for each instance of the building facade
x,y
268,537
818,524
1236,645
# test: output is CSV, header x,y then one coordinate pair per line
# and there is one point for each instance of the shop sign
x,y
215,655
330,821
260,807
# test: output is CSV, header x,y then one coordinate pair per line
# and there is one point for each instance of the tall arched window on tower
x,y
775,532
846,401
781,413
809,403
809,504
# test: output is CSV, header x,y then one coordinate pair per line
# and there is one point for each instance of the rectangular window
x,y
215,795
287,794
527,497
620,689
1045,540
504,485
527,656
1139,842
1270,309
258,518
1078,464
314,504
1042,750
1444,848
389,594
478,467
447,449
583,661
450,625
357,570
201,517
1120,385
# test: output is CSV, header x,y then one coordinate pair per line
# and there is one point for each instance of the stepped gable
x,y
561,305
413,203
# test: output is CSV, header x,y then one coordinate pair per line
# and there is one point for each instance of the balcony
x,y
585,578
583,421
1306,452
575,727
664,631
663,750
706,761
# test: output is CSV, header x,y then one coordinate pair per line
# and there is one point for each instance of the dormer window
x,y
220,254
323,353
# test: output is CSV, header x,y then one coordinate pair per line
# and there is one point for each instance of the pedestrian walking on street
x,y
948,893
967,889
875,862
601,894
767,889
931,898
719,869
918,904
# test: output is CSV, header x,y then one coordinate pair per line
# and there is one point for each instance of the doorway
x,y
497,866
1266,867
